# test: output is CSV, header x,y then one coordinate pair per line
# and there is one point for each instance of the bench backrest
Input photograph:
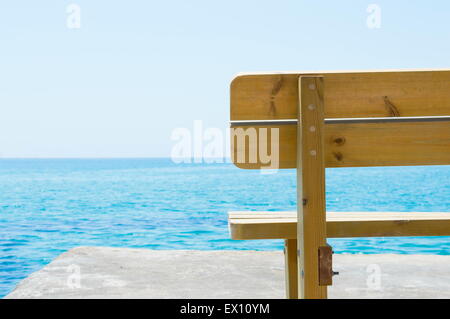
x,y
384,118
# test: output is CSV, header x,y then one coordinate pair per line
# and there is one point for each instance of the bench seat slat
x,y
283,225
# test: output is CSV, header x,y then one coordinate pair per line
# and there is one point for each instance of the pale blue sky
x,y
136,70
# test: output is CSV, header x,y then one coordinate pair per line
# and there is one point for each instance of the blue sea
x,y
48,206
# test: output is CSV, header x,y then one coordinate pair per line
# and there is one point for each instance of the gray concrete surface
x,y
139,273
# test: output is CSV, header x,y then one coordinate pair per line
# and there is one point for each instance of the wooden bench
x,y
310,121
283,225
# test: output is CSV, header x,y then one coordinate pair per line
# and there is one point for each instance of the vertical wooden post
x,y
291,268
311,229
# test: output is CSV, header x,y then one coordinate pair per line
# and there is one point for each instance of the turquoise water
x,y
49,206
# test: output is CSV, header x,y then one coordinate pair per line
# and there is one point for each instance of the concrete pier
x,y
104,272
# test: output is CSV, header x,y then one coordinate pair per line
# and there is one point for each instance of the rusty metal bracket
x,y
325,266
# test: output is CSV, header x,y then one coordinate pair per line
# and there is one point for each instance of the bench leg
x,y
291,268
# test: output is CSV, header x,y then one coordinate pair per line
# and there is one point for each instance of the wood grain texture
x,y
290,266
311,228
283,225
348,94
363,144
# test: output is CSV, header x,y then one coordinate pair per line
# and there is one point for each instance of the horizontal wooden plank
x,y
347,94
339,215
347,145
268,225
